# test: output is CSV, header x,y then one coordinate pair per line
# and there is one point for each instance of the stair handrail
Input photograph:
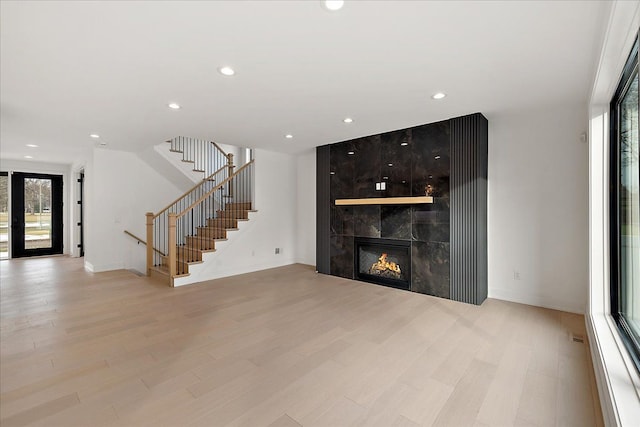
x,y
180,142
213,190
192,189
210,142
155,222
229,157
219,149
142,241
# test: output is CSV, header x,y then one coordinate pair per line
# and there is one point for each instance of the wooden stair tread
x,y
194,249
165,270
187,262
162,270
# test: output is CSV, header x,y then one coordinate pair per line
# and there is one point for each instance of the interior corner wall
x,y
252,247
119,189
306,208
538,207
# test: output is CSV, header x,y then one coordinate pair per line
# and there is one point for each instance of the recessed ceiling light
x,y
333,5
332,173
94,136
174,106
437,157
227,71
32,145
385,177
28,157
438,95
404,144
390,164
288,136
351,152
348,120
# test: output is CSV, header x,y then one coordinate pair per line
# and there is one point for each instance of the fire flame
x,y
383,265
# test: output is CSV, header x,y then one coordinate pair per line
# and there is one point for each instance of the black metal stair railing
x,y
187,228
157,224
206,156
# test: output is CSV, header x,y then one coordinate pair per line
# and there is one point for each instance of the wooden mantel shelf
x,y
385,201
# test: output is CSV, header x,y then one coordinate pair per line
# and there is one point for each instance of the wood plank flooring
x,y
284,347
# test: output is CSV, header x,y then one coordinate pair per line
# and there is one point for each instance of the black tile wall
x,y
430,268
342,256
395,222
367,166
367,220
395,163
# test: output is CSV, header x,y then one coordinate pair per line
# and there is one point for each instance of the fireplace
x,y
383,261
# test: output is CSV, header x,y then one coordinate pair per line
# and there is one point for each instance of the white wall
x,y
306,207
119,189
538,207
252,248
8,165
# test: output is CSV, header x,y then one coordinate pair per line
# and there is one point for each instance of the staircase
x,y
182,233
202,157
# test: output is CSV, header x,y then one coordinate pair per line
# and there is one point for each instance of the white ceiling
x,y
69,69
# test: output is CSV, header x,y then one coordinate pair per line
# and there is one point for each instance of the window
x,y
625,207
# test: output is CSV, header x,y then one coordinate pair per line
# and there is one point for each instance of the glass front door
x,y
36,220
4,215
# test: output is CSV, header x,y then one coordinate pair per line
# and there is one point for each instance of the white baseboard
x,y
536,300
102,267
227,272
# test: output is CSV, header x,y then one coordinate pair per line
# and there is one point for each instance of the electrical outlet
x,y
277,251
516,275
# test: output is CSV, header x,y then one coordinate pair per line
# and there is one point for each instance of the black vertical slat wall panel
x,y
482,207
469,144
323,210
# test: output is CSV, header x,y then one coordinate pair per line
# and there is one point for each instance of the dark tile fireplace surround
x,y
439,248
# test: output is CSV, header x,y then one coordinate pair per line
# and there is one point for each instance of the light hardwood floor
x,y
282,347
